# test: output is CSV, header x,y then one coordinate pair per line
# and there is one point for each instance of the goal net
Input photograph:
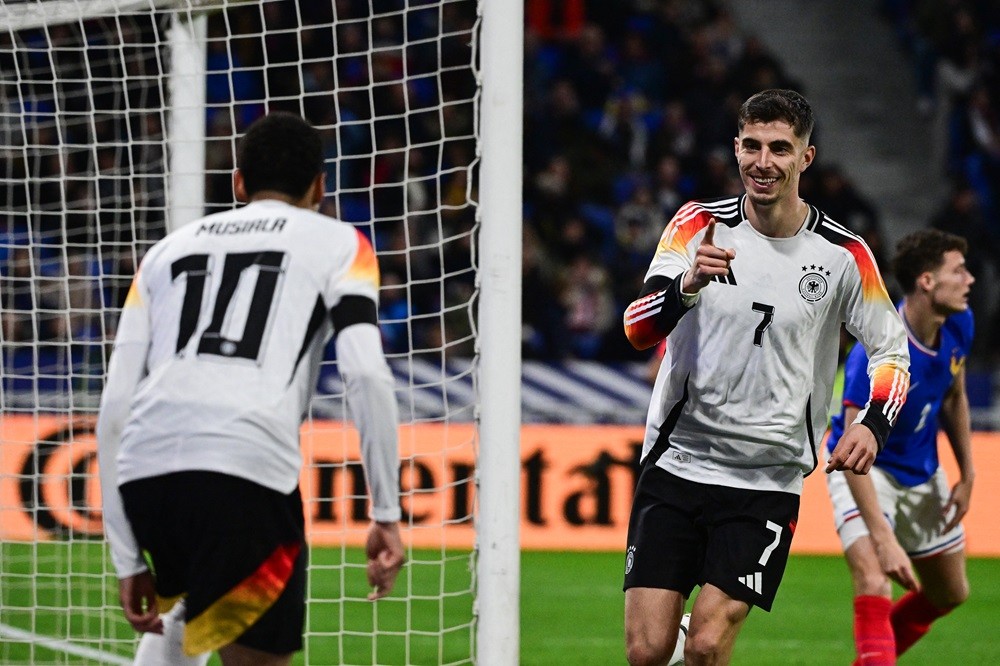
x,y
118,123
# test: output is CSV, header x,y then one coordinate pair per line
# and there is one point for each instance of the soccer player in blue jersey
x,y
902,519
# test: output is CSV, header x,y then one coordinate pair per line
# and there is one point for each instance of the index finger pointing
x,y
709,238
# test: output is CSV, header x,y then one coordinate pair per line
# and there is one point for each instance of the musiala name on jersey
x,y
266,225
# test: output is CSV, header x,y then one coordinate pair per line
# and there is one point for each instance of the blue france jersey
x,y
910,454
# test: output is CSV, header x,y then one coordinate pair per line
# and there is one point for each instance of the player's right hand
x,y
385,558
138,599
709,261
895,563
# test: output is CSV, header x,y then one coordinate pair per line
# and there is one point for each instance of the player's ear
x,y
239,186
925,281
317,190
808,157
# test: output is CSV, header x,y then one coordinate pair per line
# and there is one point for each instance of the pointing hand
x,y
709,261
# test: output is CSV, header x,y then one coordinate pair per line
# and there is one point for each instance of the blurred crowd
x,y
954,46
83,160
81,191
630,110
393,97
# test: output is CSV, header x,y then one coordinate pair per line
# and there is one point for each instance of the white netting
x,y
88,134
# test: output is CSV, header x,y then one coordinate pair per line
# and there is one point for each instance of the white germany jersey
x,y
238,310
744,387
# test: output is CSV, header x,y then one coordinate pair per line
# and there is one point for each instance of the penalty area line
x,y
67,647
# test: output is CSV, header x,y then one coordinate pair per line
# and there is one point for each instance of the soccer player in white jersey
x,y
751,292
215,360
902,516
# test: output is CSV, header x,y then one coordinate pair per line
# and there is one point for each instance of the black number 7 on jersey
x,y
768,312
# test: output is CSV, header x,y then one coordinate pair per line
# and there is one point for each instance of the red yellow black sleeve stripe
x,y
685,225
889,386
651,317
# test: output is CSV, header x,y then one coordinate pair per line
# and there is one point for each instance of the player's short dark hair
x,y
923,251
775,104
280,152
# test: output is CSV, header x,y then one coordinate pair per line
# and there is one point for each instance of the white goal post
x,y
500,333
118,123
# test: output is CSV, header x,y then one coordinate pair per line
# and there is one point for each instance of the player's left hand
x,y
855,451
958,503
385,558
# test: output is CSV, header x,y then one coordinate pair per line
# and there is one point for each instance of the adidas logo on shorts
x,y
753,581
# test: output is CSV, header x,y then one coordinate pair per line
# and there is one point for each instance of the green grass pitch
x,y
571,611
579,596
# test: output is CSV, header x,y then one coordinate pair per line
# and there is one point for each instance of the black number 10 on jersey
x,y
197,269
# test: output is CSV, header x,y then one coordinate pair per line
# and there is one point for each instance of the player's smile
x,y
770,158
763,182
761,188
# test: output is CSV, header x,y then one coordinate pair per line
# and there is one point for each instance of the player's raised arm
x,y
664,299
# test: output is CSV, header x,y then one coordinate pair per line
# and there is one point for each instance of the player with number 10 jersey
x,y
244,296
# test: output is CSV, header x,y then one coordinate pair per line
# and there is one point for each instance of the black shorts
x,y
682,534
233,549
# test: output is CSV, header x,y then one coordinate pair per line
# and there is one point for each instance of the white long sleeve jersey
x,y
229,316
743,391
